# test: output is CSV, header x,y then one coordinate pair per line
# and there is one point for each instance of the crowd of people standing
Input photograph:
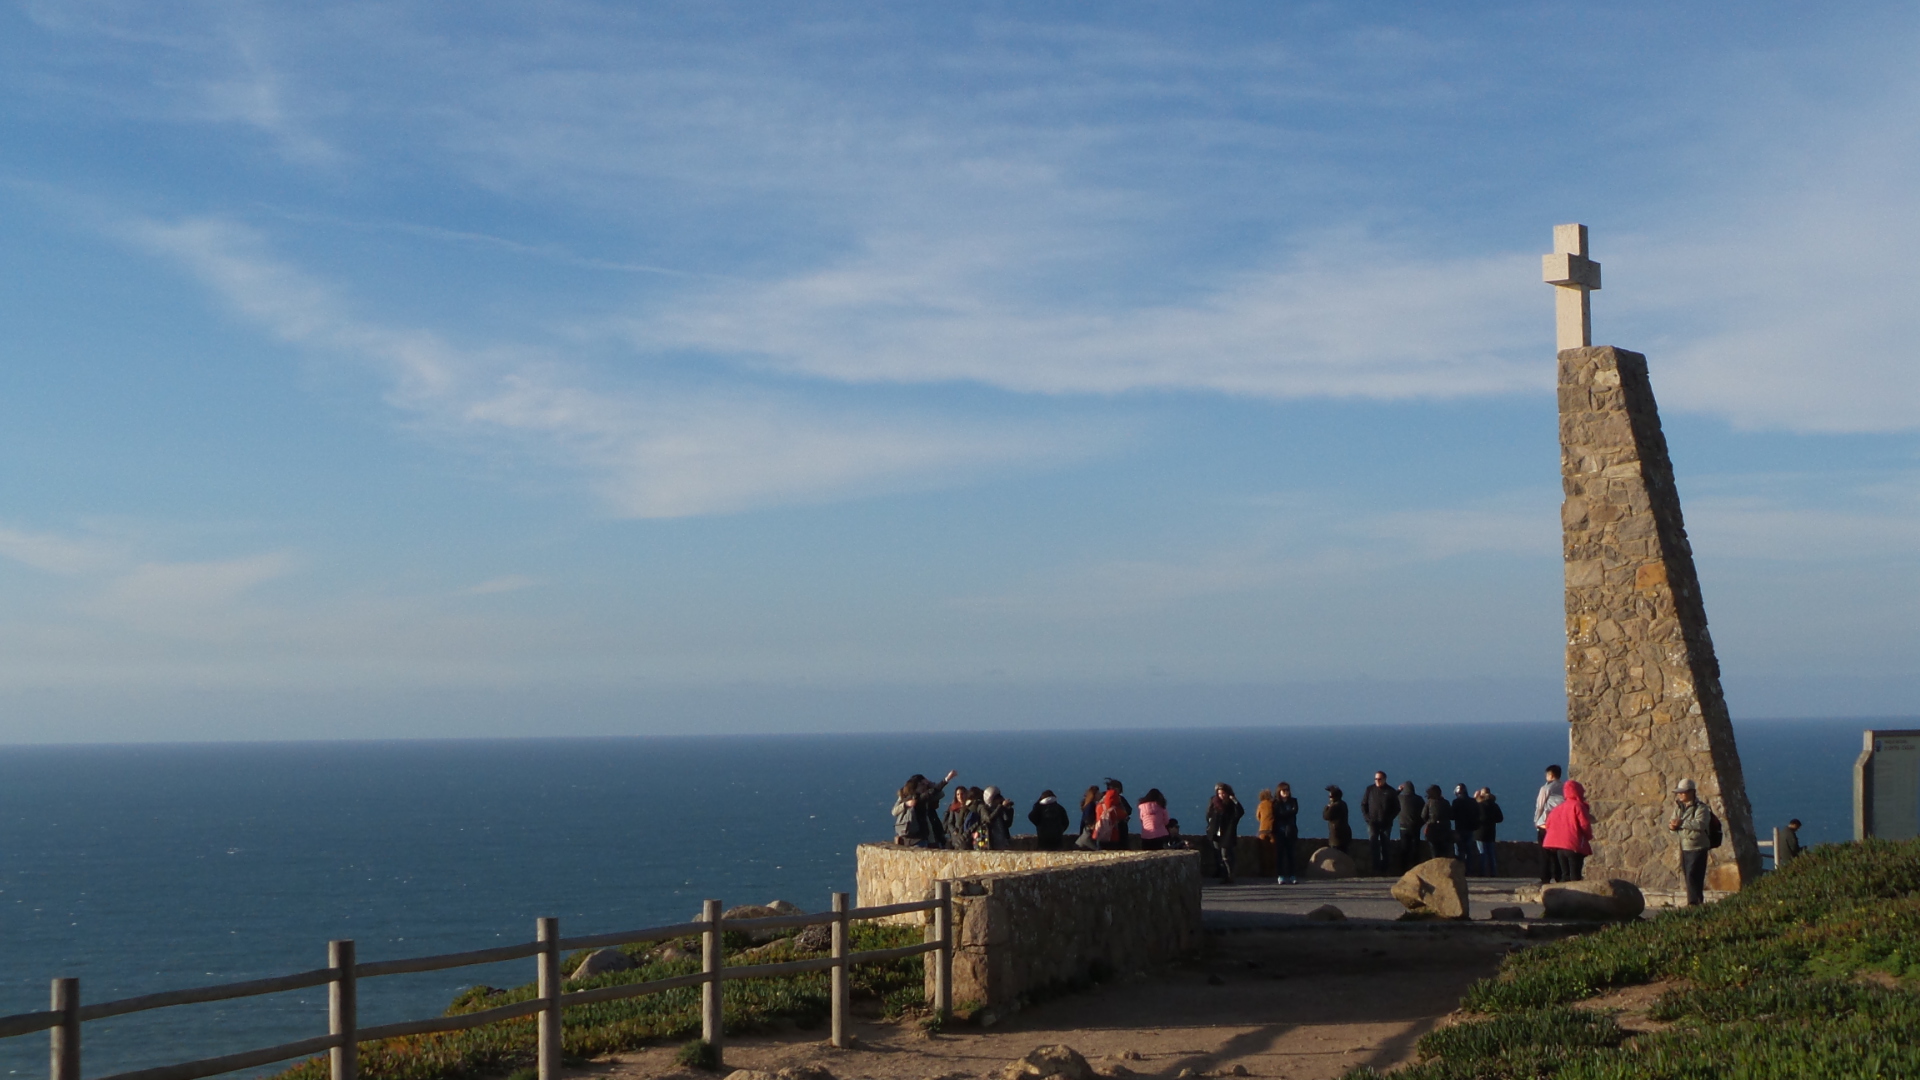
x,y
981,818
1465,826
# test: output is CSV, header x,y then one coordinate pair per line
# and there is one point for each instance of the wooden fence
x,y
343,972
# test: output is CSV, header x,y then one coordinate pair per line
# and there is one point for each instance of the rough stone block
x,y
1330,862
1599,901
1436,887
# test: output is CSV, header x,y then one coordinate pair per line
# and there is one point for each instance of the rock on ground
x,y
1330,862
757,911
1506,914
1045,1062
817,938
1599,901
1327,913
1437,887
602,962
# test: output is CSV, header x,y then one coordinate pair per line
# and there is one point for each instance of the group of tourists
x,y
1465,826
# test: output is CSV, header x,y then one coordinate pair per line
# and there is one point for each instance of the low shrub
x,y
1803,975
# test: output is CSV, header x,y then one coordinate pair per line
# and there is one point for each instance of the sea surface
x,y
156,867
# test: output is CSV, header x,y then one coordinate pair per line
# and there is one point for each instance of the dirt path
x,y
1299,1004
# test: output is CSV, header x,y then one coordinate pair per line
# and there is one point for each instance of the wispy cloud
x,y
57,554
648,452
504,584
1349,318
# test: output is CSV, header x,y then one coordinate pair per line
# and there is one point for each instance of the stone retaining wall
x,y
1030,922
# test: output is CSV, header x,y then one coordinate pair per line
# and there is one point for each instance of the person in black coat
x,y
1466,814
1485,830
1378,806
1439,823
1050,821
1413,814
1286,833
1339,833
1223,828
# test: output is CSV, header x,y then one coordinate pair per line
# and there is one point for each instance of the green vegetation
x,y
895,988
1811,973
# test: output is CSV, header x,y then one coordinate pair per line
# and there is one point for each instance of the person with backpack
x,y
1699,834
1110,827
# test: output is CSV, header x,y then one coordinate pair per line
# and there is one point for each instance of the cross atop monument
x,y
1574,276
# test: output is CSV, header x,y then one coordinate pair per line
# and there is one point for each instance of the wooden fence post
x,y
841,981
548,934
710,962
64,1037
943,956
343,1011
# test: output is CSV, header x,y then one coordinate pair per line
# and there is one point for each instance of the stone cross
x,y
1574,276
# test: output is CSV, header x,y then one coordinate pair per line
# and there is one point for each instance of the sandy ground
x,y
1300,1002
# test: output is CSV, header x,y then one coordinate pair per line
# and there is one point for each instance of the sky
x,y
410,370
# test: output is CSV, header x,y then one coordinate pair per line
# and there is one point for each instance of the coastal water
x,y
144,868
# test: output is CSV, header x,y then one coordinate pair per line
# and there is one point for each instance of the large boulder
x,y
758,911
1436,888
1330,862
1594,901
604,962
1046,1062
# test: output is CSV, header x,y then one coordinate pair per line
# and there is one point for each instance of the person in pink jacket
x,y
1153,820
1569,836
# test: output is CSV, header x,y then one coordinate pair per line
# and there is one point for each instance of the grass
x,y
1813,972
504,1049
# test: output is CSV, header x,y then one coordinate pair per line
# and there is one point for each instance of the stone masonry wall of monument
x,y
1644,702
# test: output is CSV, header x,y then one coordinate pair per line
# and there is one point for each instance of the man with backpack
x,y
1699,833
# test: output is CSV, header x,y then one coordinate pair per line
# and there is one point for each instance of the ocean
x,y
154,867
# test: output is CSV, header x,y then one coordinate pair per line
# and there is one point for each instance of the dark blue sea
x,y
145,868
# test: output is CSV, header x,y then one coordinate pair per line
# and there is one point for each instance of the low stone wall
x,y
889,874
1028,933
1030,922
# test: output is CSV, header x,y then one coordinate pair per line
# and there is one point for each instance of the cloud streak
x,y
648,453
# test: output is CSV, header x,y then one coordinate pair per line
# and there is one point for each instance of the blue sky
x,y
411,370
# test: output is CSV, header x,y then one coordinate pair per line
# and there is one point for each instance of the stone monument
x,y
1886,786
1644,704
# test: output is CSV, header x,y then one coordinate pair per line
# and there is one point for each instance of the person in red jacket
x,y
1569,836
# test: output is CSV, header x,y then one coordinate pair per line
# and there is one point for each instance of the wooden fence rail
x,y
343,973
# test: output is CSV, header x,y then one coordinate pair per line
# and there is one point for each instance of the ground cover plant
x,y
895,988
1812,972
